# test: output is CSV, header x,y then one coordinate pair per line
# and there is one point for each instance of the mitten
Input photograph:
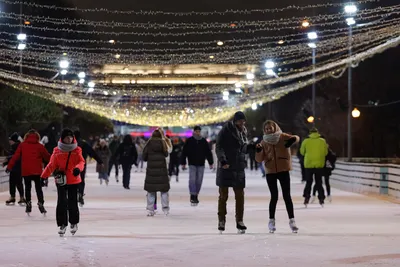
x,y
76,172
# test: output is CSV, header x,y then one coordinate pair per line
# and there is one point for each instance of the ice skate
x,y
306,201
21,201
330,199
177,179
106,182
62,230
196,200
42,209
166,212
271,226
74,228
321,202
312,199
293,226
151,213
101,181
81,201
241,228
28,208
192,200
116,179
221,226
10,201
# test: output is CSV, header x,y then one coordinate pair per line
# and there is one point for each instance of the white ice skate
x,y
74,228
271,226
293,226
151,213
62,230
166,212
241,228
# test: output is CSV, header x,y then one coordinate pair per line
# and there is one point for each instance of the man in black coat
x,y
87,150
197,150
15,174
231,150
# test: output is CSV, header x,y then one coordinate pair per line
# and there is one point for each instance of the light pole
x,y
312,36
21,46
64,65
350,10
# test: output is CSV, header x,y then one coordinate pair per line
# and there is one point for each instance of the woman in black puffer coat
x,y
155,153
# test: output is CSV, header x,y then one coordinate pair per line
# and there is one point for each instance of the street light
x,y
356,113
310,119
220,43
312,45
64,64
21,46
313,36
269,64
305,24
21,37
350,10
81,75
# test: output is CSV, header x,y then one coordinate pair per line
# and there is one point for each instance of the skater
x,y
104,153
274,150
127,156
15,174
31,154
87,150
231,150
251,150
197,150
68,163
157,180
314,149
328,169
113,162
140,143
174,159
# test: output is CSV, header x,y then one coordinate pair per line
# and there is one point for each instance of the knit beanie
x,y
239,116
66,132
197,128
14,137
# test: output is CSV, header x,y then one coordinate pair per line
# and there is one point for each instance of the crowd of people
x,y
67,162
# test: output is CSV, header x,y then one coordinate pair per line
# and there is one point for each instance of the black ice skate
x,y
21,202
81,201
306,201
196,200
193,200
241,228
221,226
28,208
42,209
321,202
62,230
74,228
10,201
116,179
293,226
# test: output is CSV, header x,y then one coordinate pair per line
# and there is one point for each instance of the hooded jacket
x,y
58,161
32,154
277,158
314,149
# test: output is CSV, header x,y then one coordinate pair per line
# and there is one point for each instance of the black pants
x,y
67,205
284,180
111,164
38,186
317,174
16,182
173,168
303,172
81,186
327,184
254,163
126,179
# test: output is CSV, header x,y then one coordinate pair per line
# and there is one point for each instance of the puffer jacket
x,y
277,158
155,153
231,149
58,162
314,149
104,154
32,154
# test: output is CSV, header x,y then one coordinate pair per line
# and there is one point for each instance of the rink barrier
x,y
363,178
3,177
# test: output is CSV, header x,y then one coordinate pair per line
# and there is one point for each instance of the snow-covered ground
x,y
353,230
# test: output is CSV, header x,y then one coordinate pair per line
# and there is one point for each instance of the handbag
x,y
60,177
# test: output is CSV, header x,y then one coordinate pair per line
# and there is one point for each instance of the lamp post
x,y
350,10
21,46
312,36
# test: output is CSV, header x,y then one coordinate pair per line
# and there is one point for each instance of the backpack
x,y
127,152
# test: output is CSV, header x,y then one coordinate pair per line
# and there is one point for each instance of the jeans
x,y
103,175
111,164
317,173
151,198
38,186
284,180
67,205
16,182
327,184
262,168
196,174
126,170
223,198
140,161
81,186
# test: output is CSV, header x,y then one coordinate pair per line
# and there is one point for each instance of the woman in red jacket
x,y
31,154
67,160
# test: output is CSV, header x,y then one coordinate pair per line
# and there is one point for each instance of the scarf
x,y
67,147
198,138
272,139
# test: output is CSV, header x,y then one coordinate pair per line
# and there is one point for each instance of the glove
x,y
290,142
76,172
7,171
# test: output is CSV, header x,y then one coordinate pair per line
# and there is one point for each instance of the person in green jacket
x,y
314,149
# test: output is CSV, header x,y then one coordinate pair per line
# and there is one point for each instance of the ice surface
x,y
114,231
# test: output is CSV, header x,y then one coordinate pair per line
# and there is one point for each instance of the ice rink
x,y
353,230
